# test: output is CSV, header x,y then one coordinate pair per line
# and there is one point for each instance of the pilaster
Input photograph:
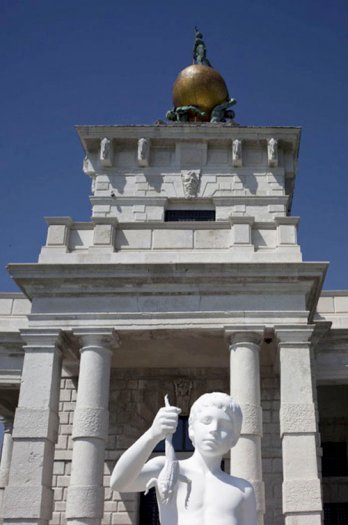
x,y
6,455
29,496
85,501
302,502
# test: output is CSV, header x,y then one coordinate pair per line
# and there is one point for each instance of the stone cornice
x,y
41,280
230,200
89,134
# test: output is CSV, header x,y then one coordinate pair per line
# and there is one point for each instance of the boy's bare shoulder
x,y
240,483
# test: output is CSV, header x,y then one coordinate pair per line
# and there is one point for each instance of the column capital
x,y
42,338
95,336
294,335
245,334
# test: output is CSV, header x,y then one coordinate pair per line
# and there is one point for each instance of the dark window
x,y
181,440
334,460
148,510
189,215
335,513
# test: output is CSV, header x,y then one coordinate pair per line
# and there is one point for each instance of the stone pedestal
x,y
302,502
29,496
85,502
245,388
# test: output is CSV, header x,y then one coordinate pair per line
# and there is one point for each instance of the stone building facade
x,y
188,279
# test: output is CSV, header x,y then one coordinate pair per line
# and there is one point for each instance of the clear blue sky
x,y
67,62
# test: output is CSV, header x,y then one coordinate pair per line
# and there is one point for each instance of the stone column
x,y
85,502
302,503
6,456
245,388
29,496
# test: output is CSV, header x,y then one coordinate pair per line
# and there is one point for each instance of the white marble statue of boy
x,y
202,494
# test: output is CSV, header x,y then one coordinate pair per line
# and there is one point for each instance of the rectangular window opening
x,y
189,215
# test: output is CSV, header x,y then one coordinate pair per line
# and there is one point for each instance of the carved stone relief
x,y
106,152
272,152
190,182
183,389
237,152
87,167
143,152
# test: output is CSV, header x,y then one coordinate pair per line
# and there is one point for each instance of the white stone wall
x,y
14,308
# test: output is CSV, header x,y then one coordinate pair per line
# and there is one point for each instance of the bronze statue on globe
x,y
199,92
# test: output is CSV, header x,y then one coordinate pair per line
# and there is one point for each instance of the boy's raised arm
x,y
130,473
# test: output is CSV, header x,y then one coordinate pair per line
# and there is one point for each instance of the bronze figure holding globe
x,y
199,92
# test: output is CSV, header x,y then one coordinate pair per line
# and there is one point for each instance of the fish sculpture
x,y
168,477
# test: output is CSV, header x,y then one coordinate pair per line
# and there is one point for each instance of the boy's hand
x,y
165,422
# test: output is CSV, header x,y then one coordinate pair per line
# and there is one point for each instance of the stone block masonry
x,y
271,446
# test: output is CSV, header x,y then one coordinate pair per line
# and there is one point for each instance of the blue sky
x,y
67,62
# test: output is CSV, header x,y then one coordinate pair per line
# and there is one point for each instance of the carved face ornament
x,y
190,182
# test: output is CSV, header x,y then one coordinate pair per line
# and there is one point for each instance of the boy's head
x,y
215,416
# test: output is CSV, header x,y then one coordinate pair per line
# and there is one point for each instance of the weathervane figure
x,y
199,50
